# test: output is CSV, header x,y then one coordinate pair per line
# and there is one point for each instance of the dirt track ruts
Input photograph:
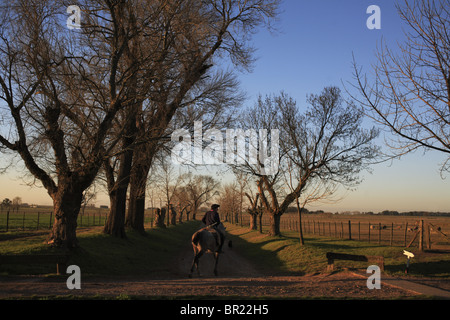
x,y
237,278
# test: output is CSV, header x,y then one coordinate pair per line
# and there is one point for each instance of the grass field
x,y
379,229
101,254
41,218
286,255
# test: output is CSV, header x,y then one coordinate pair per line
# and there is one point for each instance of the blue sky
x,y
315,45
313,49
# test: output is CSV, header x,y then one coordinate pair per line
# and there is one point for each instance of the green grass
x,y
42,218
101,254
285,255
157,252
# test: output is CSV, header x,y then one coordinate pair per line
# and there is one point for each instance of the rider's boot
x,y
222,238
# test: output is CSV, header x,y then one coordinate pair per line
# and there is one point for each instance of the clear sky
x,y
313,49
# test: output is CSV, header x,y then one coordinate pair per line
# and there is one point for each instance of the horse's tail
x,y
196,238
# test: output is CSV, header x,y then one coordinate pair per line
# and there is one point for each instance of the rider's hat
x,y
214,206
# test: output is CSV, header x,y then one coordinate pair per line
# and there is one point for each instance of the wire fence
x,y
38,219
383,230
42,218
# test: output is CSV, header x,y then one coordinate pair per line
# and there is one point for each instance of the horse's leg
x,y
197,261
194,262
216,256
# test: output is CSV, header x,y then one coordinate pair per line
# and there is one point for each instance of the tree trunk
x,y
173,216
236,218
115,224
275,224
253,221
160,215
118,186
260,223
300,231
180,217
136,205
66,207
136,208
143,156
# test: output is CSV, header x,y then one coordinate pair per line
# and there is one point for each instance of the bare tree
x,y
200,190
167,180
183,202
229,200
254,210
410,93
326,143
6,203
16,203
317,190
89,195
198,36
59,110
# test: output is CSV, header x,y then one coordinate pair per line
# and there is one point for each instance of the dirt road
x,y
237,278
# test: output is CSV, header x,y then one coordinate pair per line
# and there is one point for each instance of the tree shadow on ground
x,y
265,261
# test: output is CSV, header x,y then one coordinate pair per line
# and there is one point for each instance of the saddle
x,y
215,233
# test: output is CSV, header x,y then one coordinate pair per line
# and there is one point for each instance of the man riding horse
x,y
212,219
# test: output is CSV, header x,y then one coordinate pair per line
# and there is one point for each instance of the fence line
x,y
390,233
38,220
43,219
398,233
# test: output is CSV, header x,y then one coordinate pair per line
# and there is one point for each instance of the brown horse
x,y
206,240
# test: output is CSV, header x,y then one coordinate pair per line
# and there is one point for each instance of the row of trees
x,y
326,145
13,204
185,191
101,103
100,100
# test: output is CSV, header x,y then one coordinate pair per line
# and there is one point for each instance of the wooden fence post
x,y
392,234
359,230
379,233
7,220
369,232
349,230
422,230
406,231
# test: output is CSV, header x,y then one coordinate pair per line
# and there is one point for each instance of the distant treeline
x,y
384,213
413,213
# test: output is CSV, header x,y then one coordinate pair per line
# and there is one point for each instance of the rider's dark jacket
x,y
210,218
